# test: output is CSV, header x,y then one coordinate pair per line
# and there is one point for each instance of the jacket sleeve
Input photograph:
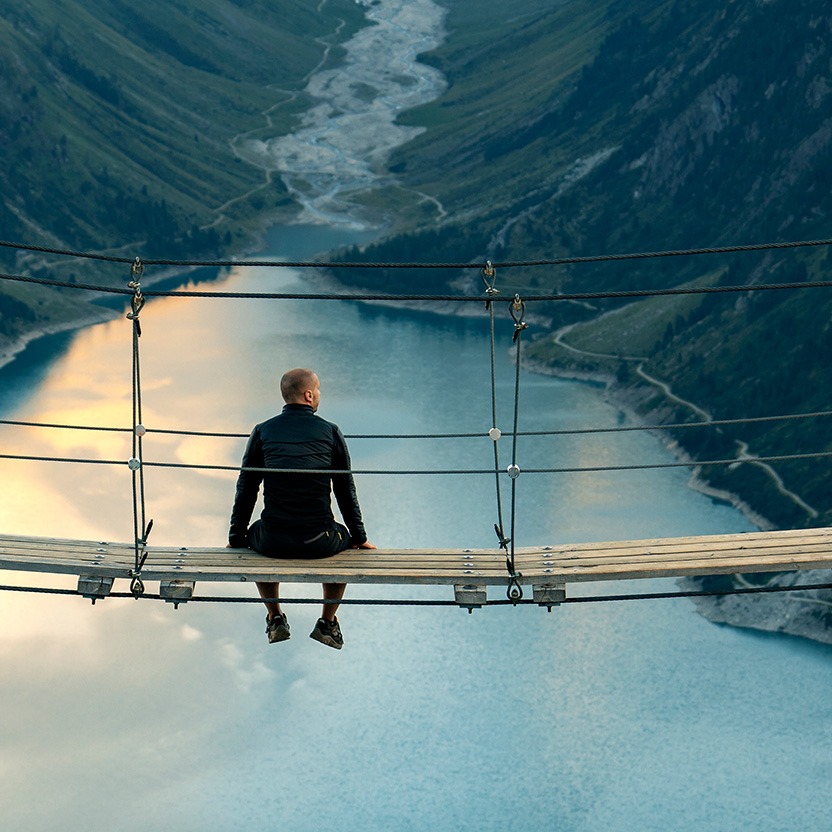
x,y
344,488
248,487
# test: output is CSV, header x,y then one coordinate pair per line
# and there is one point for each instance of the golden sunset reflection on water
x,y
187,382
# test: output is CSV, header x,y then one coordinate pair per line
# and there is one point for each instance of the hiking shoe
x,y
277,628
328,633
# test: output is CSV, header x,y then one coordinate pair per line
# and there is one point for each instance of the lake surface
x,y
131,715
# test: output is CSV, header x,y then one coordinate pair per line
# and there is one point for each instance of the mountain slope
x,y
687,123
118,117
117,121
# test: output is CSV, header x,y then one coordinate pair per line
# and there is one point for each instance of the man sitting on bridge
x,y
297,520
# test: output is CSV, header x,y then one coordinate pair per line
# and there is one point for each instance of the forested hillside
x,y
117,122
591,128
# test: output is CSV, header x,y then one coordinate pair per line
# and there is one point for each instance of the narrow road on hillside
x,y
559,335
742,453
665,388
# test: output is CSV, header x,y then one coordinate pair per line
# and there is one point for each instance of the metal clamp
x,y
489,275
136,584
503,540
518,312
137,301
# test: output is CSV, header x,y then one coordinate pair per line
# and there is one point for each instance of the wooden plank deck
x,y
547,569
778,551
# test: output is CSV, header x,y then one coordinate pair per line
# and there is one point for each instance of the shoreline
x,y
696,482
16,346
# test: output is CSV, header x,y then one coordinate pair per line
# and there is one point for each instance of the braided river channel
x,y
596,716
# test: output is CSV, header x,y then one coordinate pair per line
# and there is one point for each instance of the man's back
x,y
296,439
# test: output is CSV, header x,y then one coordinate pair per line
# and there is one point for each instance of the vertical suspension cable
x,y
489,274
141,528
518,311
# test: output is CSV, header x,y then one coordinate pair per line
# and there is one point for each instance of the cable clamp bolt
x,y
137,270
134,464
513,471
518,312
489,275
137,301
136,585
495,434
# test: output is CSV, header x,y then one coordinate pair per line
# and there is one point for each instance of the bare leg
x,y
332,592
270,590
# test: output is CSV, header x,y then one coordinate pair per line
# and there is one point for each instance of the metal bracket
x,y
94,586
176,592
549,595
470,596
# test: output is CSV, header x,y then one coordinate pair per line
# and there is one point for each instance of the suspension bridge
x,y
547,569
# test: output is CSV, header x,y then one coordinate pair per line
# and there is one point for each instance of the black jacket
x,y
297,439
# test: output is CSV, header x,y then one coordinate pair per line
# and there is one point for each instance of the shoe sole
x,y
329,641
279,634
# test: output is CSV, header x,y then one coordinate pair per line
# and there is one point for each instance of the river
x,y
133,715
336,156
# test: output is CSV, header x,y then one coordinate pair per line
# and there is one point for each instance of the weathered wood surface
x,y
780,551
378,566
550,565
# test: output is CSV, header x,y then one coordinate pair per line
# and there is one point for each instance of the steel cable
x,y
558,261
427,602
711,423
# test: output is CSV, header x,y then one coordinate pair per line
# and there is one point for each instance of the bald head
x,y
300,386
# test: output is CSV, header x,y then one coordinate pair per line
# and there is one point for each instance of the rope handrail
x,y
387,297
418,472
557,261
711,423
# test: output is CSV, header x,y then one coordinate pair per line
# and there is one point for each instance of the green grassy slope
x,y
117,116
117,121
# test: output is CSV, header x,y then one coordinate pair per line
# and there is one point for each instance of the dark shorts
x,y
306,546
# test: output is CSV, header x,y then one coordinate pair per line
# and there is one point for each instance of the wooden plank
x,y
733,541
540,566
747,561
673,569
